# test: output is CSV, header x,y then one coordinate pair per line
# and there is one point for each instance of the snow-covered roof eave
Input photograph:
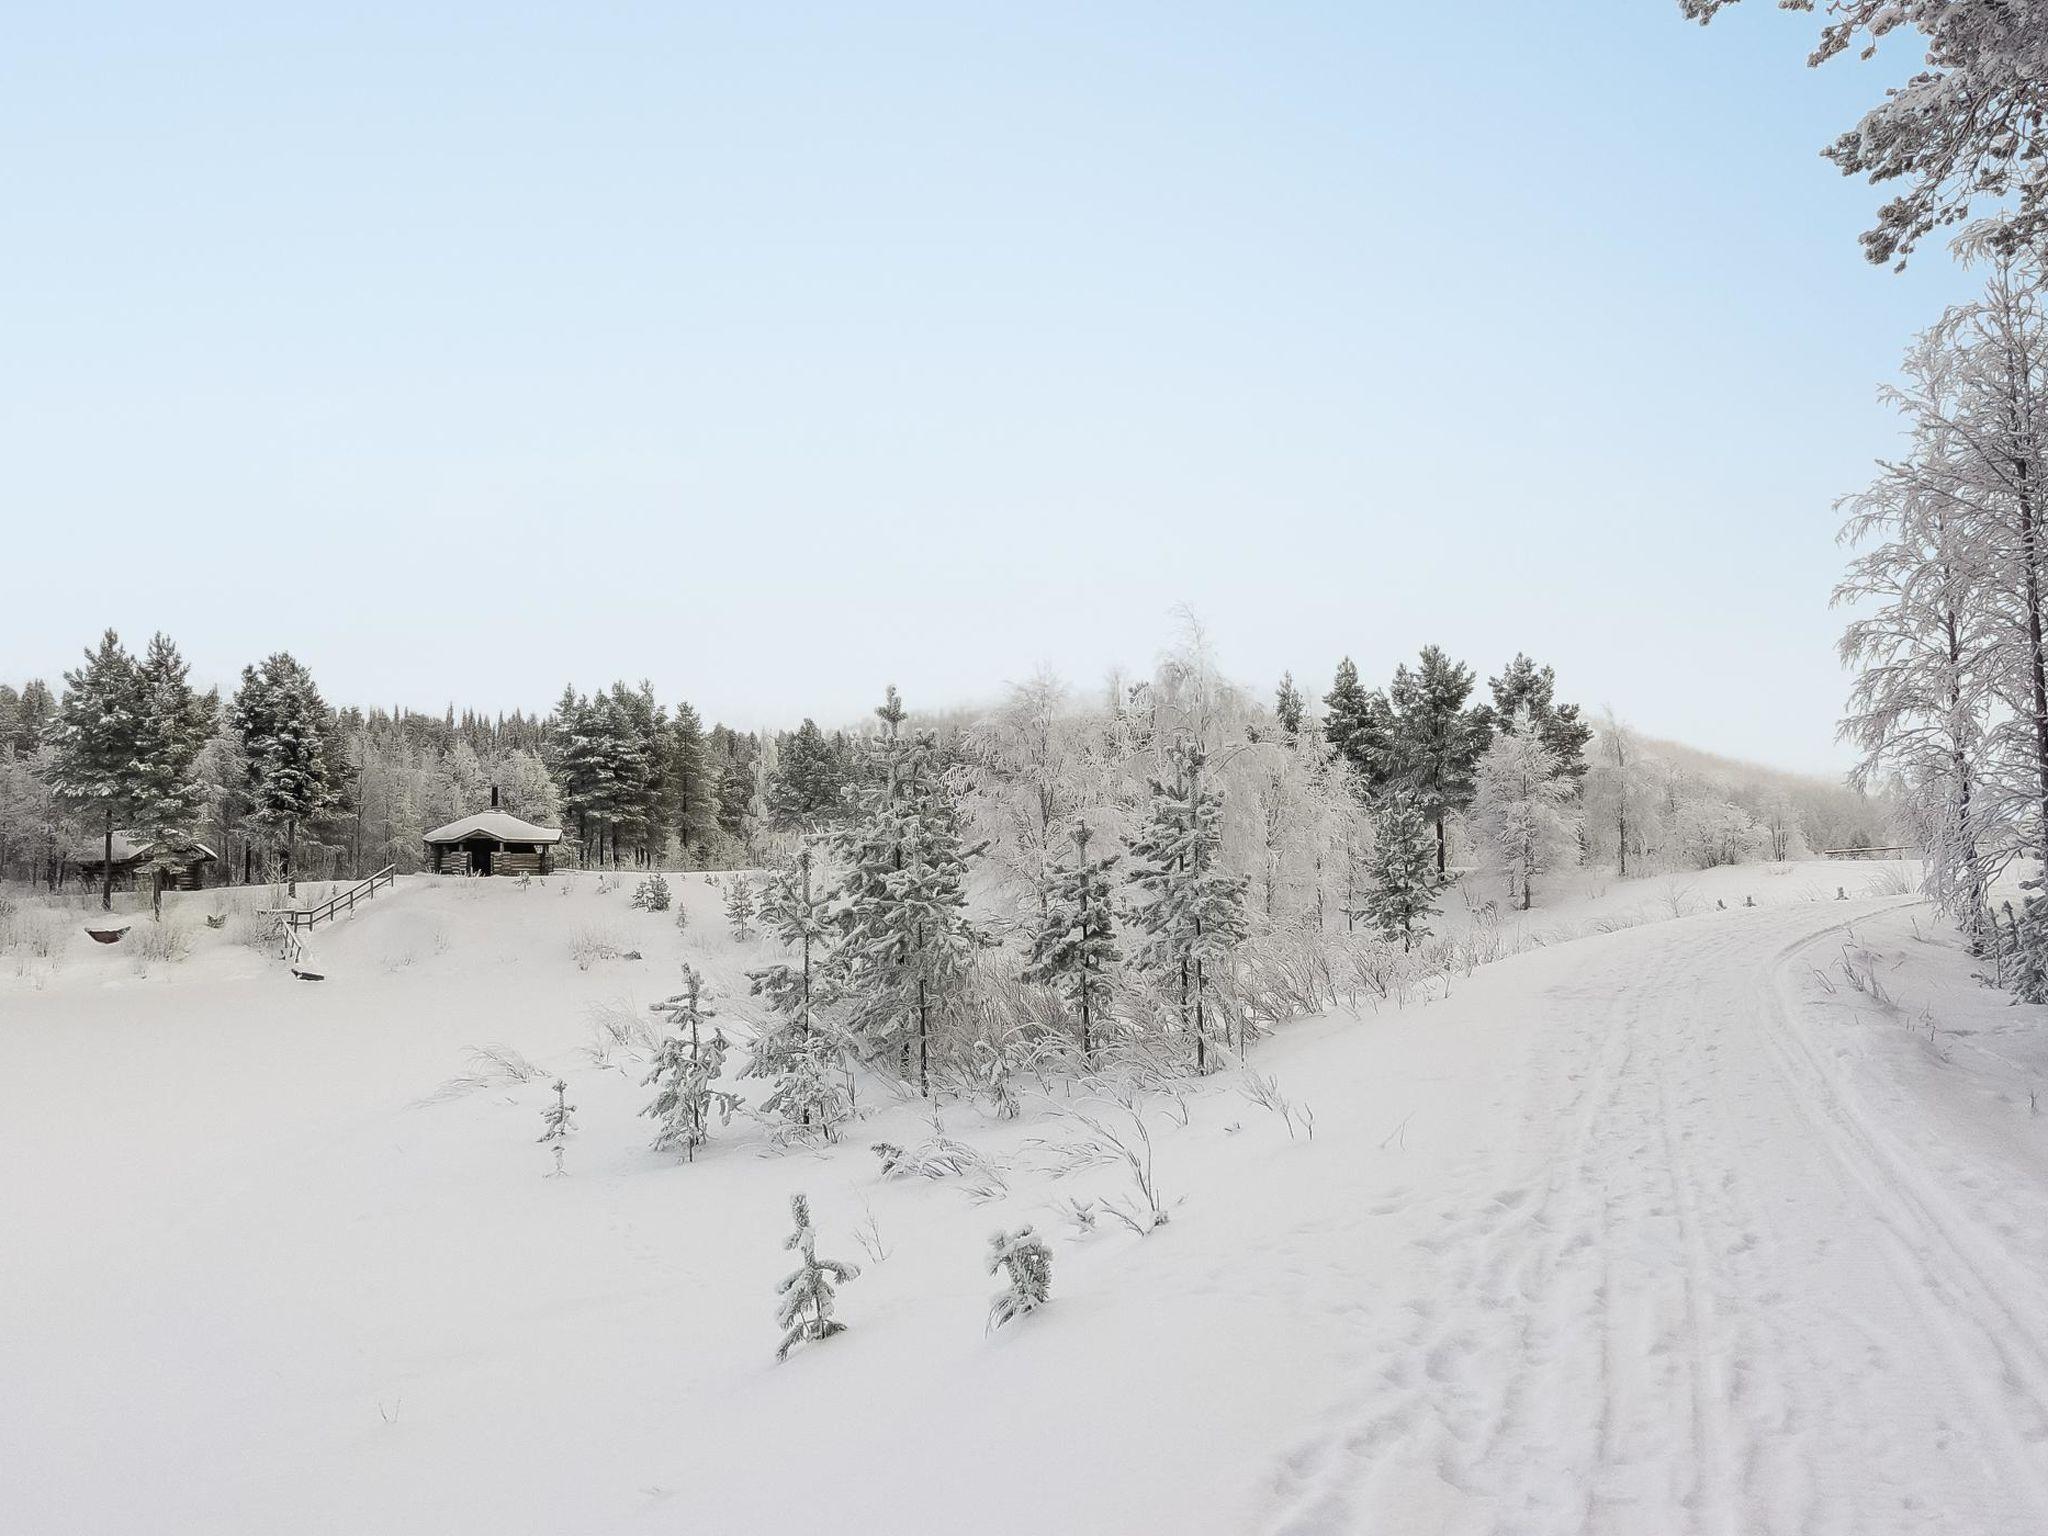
x,y
502,825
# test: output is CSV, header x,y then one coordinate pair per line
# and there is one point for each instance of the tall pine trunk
x,y
107,866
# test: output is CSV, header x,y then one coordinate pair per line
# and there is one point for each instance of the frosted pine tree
x,y
1196,913
1026,1263
1522,809
1402,865
905,941
685,1074
1074,951
739,907
172,724
557,1125
796,1048
803,1310
95,739
284,726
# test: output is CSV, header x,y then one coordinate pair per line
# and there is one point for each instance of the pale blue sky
x,y
776,352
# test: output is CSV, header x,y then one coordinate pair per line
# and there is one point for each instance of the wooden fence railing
x,y
291,919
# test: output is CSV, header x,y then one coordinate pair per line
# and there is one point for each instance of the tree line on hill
x,y
281,785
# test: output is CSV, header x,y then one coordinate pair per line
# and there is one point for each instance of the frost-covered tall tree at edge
x,y
94,736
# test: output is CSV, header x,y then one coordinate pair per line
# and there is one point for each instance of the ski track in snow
x,y
1696,1290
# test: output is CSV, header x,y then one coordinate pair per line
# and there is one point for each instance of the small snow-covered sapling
x,y
652,894
739,907
556,1117
686,1071
804,1307
1027,1264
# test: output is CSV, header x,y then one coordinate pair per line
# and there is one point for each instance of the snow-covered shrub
x,y
938,1156
160,943
487,1066
1264,1091
803,1309
1026,1263
588,945
619,1026
34,933
1142,1209
652,894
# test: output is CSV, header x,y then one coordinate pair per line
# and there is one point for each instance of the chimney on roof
x,y
494,797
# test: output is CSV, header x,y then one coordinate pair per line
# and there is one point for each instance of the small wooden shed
x,y
184,862
492,842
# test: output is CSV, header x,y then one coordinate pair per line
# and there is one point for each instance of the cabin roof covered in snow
x,y
502,825
129,845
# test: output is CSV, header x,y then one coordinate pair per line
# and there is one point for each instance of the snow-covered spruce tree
x,y
1195,914
652,894
1402,865
1287,707
739,906
797,1049
905,939
803,790
172,725
1521,810
94,736
284,725
685,1074
804,1301
558,1125
1359,728
1524,685
1437,739
1026,1263
1074,950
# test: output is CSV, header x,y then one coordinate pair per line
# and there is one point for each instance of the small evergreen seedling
x,y
804,1312
559,1125
1027,1264
686,1070
652,894
739,907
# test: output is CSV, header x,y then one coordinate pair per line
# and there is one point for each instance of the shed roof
x,y
130,845
502,825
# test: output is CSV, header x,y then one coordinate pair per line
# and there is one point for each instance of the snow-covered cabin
x,y
184,862
493,842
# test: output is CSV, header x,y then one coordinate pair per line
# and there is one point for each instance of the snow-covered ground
x,y
1670,1227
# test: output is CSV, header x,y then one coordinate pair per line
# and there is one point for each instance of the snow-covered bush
x,y
34,932
652,894
803,1309
1026,1263
938,1156
588,945
160,943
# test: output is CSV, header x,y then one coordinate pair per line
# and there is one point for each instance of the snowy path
x,y
1699,1289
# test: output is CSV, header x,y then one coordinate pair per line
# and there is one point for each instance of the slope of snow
x,y
1662,1229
